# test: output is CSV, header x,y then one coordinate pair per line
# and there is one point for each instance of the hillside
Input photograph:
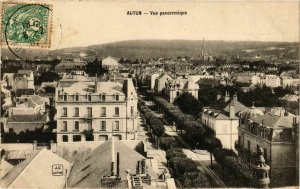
x,y
146,49
168,48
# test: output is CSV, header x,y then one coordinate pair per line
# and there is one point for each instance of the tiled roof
x,y
212,82
28,118
275,121
20,92
18,169
238,106
24,72
88,170
36,171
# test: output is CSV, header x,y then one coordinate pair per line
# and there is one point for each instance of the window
x,y
89,97
65,112
117,111
89,111
103,126
117,97
76,97
76,138
65,138
76,125
65,97
90,126
103,97
103,111
132,111
65,126
76,112
177,94
117,125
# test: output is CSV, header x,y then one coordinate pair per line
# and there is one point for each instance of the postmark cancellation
x,y
26,24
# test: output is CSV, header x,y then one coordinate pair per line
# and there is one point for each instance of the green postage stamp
x,y
25,24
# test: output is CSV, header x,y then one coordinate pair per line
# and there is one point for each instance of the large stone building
x,y
174,88
277,136
24,80
96,111
223,118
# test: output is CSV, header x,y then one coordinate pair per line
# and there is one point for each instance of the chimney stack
x,y
232,110
138,168
235,97
118,164
285,112
143,166
226,96
112,156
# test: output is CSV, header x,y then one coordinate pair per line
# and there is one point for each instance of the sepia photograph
x,y
149,94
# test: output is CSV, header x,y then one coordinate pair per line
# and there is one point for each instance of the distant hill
x,y
146,49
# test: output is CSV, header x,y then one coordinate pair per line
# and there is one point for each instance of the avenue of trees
x,y
185,170
189,104
230,161
155,122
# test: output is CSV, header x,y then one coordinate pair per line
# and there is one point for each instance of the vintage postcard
x,y
160,94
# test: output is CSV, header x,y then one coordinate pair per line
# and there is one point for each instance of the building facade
x,y
96,111
276,135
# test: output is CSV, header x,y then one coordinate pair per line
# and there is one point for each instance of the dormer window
x,y
65,97
103,97
77,97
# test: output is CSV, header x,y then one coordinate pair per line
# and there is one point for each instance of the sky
x,y
83,23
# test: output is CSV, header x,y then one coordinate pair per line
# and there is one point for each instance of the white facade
x,y
24,80
226,129
98,110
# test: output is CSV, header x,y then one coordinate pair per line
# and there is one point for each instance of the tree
x,y
49,89
180,166
158,131
174,152
194,179
95,68
167,143
48,77
208,95
189,104
211,144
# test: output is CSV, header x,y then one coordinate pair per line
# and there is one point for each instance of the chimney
x,y
232,110
118,164
138,168
227,97
285,112
143,166
235,97
112,156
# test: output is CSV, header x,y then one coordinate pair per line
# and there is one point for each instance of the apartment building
x,y
277,135
96,111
